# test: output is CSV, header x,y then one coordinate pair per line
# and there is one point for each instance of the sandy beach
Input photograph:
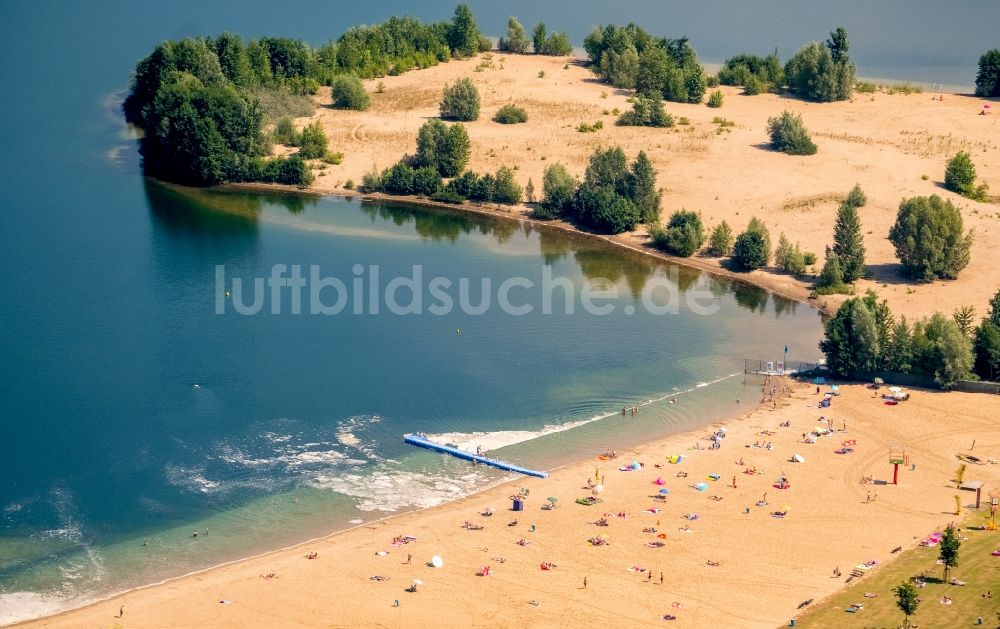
x,y
885,143
766,565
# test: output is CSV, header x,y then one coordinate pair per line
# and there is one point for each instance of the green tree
x,y
948,550
851,340
684,234
426,181
643,191
831,278
987,350
505,188
558,189
516,40
789,135
988,77
609,168
460,101
603,209
529,191
856,197
993,312
715,99
789,258
752,248
313,141
463,34
444,147
941,351
349,93
234,60
646,112
928,238
557,45
538,38
720,243
848,243
899,351
815,74
906,600
960,177
621,69
838,45
654,66
285,132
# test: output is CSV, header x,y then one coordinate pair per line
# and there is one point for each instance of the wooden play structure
x,y
897,457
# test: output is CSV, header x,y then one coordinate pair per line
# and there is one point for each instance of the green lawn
x,y
976,566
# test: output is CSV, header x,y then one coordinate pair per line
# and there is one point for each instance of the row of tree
x,y
543,42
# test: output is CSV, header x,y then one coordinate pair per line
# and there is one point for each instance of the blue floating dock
x,y
422,442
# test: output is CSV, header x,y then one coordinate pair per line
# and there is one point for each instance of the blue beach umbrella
x,y
664,491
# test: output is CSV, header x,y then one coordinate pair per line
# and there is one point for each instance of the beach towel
x,y
700,486
715,476
588,501
652,510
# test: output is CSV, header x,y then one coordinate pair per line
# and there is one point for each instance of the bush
x,y
460,101
960,177
822,73
683,236
987,351
941,350
285,132
349,93
604,209
809,258
856,197
712,81
789,135
371,181
510,114
928,238
505,188
720,243
988,77
312,142
715,99
443,147
292,171
558,188
557,45
831,278
584,127
646,112
752,248
398,179
788,258
349,184
752,86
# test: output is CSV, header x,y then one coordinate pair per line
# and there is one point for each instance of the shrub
x,y
856,197
349,184
988,77
516,39
398,179
683,236
809,258
604,209
285,132
583,127
831,278
789,135
505,188
720,243
460,101
788,258
349,93
485,44
312,143
511,114
557,45
715,99
752,86
987,351
426,181
371,181
960,177
646,112
928,238
752,248
822,73
712,81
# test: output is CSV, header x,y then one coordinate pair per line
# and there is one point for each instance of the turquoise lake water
x,y
130,410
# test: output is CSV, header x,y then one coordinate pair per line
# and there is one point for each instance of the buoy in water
x,y
458,331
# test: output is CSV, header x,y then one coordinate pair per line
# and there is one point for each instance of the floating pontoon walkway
x,y
422,442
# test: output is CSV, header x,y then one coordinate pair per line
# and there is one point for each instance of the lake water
x,y
130,410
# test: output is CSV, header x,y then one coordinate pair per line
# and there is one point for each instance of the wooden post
x,y
895,473
979,494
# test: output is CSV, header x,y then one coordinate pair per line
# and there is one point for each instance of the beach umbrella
x,y
659,481
798,458
664,491
636,466
436,561
552,499
417,582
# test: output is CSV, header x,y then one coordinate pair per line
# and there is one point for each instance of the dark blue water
x,y
131,411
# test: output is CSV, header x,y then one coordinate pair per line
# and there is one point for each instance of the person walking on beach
x,y
661,577
409,559
121,612
868,498
585,583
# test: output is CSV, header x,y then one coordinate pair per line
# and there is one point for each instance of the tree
x,y
609,168
906,600
720,243
928,238
234,60
899,351
789,258
505,188
463,34
941,351
558,188
838,45
557,45
752,248
460,101
348,93
529,191
960,177
948,549
510,114
643,190
654,66
988,77
538,38
789,135
963,316
443,147
851,339
621,68
605,210
715,99
848,243
516,40
856,197
822,73
987,350
993,312
312,142
684,234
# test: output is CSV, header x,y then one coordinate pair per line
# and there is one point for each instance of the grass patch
x,y
867,87
279,102
979,569
583,127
